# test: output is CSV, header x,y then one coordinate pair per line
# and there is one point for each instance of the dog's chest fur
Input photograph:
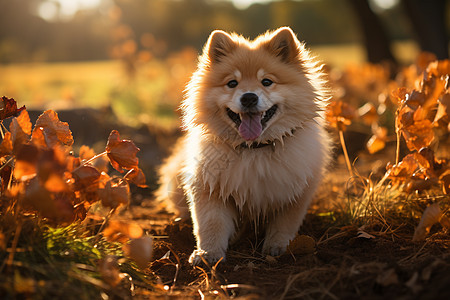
x,y
258,180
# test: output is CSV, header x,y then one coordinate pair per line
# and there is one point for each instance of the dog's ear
x,y
219,45
284,44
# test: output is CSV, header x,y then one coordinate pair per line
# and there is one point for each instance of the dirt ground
x,y
341,265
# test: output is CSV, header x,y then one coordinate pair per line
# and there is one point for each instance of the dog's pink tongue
x,y
250,127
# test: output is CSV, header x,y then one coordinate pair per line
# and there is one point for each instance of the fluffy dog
x,y
255,147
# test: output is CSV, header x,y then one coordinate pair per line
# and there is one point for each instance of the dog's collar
x,y
256,145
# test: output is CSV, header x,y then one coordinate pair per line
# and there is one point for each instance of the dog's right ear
x,y
219,45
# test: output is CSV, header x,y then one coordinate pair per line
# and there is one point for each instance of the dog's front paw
x,y
199,256
275,246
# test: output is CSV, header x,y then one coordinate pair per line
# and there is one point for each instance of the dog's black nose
x,y
249,100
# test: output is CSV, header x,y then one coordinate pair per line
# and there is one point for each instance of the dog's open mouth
x,y
250,125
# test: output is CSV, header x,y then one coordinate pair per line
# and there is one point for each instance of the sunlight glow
x,y
51,10
383,4
243,4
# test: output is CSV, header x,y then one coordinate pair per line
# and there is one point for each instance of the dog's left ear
x,y
219,45
284,44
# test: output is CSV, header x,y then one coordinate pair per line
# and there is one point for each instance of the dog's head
x,y
253,91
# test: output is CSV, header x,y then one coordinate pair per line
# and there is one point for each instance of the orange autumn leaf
x,y
8,108
400,95
86,178
6,147
424,59
439,68
140,250
51,167
339,115
443,108
20,129
445,181
38,137
55,131
368,113
137,177
403,169
378,141
109,270
416,130
121,153
26,162
116,192
58,208
433,88
120,231
430,216
86,153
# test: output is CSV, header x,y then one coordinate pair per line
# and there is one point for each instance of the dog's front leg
x,y
214,223
286,223
283,228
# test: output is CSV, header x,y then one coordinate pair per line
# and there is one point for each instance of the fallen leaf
x,y
23,285
140,250
430,216
364,235
120,231
109,270
388,277
121,153
302,244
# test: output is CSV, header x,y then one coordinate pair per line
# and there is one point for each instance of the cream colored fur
x,y
223,181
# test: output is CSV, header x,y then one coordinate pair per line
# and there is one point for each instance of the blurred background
x,y
135,56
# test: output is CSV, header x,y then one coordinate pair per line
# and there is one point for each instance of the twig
x,y
105,221
344,148
10,260
6,163
90,160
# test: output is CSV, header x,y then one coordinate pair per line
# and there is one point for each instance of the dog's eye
x,y
266,82
232,84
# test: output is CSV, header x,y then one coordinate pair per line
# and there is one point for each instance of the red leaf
x,y
8,108
121,153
